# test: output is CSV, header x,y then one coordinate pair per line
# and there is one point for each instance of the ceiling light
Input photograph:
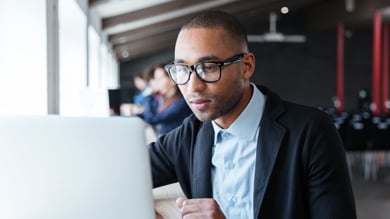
x,y
284,10
125,54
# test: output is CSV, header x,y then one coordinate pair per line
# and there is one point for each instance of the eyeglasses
x,y
209,71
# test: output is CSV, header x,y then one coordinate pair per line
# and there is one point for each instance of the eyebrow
x,y
202,59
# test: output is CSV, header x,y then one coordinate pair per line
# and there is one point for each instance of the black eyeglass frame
x,y
192,68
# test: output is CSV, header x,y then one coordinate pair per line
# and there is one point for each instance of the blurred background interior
x,y
79,58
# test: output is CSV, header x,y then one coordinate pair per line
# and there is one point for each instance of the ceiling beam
x,y
147,12
146,31
137,52
328,15
160,17
146,45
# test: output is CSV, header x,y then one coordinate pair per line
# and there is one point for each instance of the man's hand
x,y
205,208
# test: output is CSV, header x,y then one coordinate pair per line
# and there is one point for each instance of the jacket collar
x,y
269,142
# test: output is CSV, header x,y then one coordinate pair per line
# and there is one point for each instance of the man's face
x,y
219,100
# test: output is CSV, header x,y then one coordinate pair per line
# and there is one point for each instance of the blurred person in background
x,y
166,108
141,83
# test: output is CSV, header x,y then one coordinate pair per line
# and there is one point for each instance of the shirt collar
x,y
249,118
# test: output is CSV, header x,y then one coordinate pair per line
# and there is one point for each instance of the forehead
x,y
195,43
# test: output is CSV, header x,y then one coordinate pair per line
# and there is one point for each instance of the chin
x,y
203,117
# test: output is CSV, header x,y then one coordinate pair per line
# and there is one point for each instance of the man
x,y
245,153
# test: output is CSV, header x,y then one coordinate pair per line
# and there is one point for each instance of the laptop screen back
x,y
74,168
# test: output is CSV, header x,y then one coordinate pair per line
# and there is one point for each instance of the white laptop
x,y
54,167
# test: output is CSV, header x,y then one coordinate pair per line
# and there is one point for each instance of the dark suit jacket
x,y
300,172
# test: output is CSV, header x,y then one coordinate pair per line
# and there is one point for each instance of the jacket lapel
x,y
270,140
201,163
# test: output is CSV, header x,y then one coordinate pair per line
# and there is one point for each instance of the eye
x,y
209,67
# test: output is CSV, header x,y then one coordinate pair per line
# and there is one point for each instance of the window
x,y
31,79
94,57
23,74
72,56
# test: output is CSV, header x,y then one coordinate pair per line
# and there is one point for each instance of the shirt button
x,y
231,165
233,200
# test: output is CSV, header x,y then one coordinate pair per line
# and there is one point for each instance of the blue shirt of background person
x,y
167,108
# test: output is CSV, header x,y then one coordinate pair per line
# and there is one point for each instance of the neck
x,y
227,120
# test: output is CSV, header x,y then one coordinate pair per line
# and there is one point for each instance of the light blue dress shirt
x,y
233,160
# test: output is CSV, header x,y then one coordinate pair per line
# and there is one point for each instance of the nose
x,y
195,84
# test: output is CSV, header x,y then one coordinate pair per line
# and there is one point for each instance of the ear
x,y
248,65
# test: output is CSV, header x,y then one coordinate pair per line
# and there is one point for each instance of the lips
x,y
200,104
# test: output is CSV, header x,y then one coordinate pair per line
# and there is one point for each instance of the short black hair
x,y
219,19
